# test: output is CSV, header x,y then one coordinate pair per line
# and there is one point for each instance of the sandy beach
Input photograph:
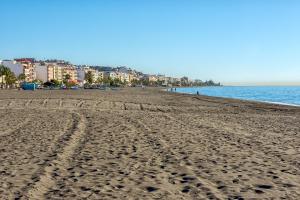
x,y
145,144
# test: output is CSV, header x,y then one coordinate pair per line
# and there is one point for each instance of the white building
x,y
41,72
81,74
15,67
24,66
82,71
2,78
124,77
110,74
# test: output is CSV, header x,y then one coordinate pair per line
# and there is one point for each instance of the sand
x,y
146,144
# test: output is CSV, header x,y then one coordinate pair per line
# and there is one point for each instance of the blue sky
x,y
232,41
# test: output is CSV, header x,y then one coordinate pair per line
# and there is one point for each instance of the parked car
x,y
74,88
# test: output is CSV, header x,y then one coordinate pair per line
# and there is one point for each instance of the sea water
x,y
289,95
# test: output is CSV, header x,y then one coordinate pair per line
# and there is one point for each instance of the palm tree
x,y
7,75
22,77
10,78
89,77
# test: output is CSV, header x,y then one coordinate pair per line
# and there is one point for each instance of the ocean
x,y
288,95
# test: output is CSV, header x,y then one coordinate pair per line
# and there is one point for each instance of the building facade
x,y
52,71
71,71
24,66
110,74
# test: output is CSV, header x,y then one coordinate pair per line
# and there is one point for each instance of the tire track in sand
x,y
16,128
46,180
207,190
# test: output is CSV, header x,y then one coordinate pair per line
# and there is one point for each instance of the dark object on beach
x,y
186,189
29,86
264,186
258,191
151,189
198,93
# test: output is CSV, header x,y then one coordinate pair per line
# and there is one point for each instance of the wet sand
x,y
146,144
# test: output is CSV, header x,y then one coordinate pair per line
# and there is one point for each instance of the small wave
x,y
290,95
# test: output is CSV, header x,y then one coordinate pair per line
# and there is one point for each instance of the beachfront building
x,y
82,71
110,74
80,74
96,74
48,72
184,81
41,72
16,68
161,78
100,75
55,71
70,70
133,77
124,77
150,78
24,66
28,68
2,80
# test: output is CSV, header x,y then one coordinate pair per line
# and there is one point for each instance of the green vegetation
x,y
22,77
7,76
67,77
89,77
67,81
109,81
55,83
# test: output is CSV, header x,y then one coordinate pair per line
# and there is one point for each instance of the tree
x,y
37,81
99,80
106,80
89,77
55,83
7,75
67,78
10,78
146,82
22,77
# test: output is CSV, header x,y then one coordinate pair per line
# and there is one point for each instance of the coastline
x,y
146,143
236,98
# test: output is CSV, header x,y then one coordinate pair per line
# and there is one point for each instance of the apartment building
x,y
151,78
28,68
54,72
124,77
47,72
133,77
82,71
95,73
70,70
22,66
110,74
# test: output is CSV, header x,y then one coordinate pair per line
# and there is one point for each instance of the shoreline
x,y
251,100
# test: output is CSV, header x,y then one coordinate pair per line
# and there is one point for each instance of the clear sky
x,y
232,41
